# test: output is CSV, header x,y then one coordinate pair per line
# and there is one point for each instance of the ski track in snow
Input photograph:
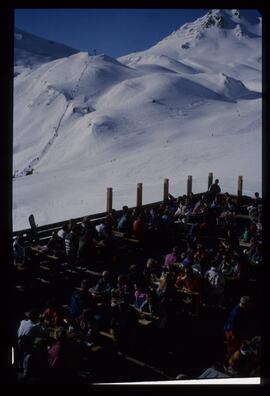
x,y
30,167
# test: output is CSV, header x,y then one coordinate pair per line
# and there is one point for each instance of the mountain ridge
x,y
30,51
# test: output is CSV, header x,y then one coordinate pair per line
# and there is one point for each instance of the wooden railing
x,y
45,231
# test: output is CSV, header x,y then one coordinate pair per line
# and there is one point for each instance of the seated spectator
x,y
31,326
87,227
246,235
150,303
256,346
88,326
242,362
231,240
104,285
54,314
253,209
152,271
172,258
194,234
189,280
62,233
56,245
28,330
189,259
63,359
192,200
199,206
35,363
100,228
229,265
252,248
80,300
106,245
135,276
230,206
256,257
166,283
214,286
154,219
216,206
238,326
111,219
139,227
200,254
86,252
18,250
167,218
193,283
122,292
72,242
124,324
167,300
124,223
258,234
181,211
139,295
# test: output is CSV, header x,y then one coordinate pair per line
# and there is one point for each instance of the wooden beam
x,y
189,185
165,190
210,180
109,199
239,189
139,195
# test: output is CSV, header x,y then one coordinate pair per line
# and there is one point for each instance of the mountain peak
x,y
220,18
223,20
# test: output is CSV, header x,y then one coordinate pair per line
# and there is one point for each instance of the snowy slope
x,y
83,123
31,51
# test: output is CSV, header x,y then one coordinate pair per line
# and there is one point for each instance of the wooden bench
x,y
45,268
122,235
244,244
107,334
43,281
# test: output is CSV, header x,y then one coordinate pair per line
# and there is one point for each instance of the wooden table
x,y
42,250
145,318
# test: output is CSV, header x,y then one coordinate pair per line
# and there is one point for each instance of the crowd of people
x,y
192,259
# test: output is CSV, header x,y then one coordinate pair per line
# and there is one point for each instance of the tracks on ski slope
x,y
30,167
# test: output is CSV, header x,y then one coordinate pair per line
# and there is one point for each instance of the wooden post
x,y
109,199
139,194
165,190
239,189
189,185
210,180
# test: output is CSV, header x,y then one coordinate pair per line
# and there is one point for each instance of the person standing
x,y
238,327
214,189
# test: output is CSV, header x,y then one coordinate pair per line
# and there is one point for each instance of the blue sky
x,y
114,32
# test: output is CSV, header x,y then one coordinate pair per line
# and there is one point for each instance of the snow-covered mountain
x,y
220,41
31,51
189,105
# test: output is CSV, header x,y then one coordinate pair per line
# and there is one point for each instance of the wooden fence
x,y
45,231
